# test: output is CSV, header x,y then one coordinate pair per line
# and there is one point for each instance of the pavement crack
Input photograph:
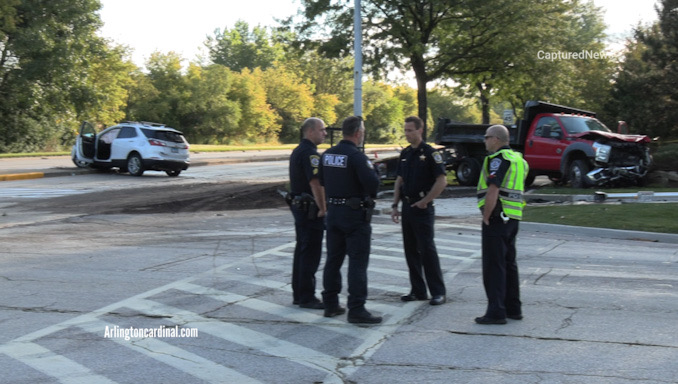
x,y
39,309
565,339
542,275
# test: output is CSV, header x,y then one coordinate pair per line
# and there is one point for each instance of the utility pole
x,y
358,65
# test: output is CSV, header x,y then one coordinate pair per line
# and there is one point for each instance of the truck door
x,y
545,145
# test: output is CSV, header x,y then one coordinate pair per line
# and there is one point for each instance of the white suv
x,y
132,147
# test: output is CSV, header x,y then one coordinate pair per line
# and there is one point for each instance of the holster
x,y
368,206
306,203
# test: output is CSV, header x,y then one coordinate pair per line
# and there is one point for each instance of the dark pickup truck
x,y
566,144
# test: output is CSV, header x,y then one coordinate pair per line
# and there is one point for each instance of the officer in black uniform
x,y
307,202
421,178
350,184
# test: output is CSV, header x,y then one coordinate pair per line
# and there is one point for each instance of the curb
x,y
57,172
620,234
22,176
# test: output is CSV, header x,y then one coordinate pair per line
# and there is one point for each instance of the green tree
x,y
45,54
530,60
205,109
384,112
240,48
431,38
258,122
291,98
644,93
162,92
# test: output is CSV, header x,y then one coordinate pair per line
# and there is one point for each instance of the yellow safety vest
x,y
511,188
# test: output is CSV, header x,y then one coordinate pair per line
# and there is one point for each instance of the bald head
x,y
313,129
496,137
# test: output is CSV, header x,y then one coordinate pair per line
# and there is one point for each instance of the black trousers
x,y
420,250
307,253
347,234
500,270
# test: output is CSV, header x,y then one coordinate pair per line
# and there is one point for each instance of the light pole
x,y
358,64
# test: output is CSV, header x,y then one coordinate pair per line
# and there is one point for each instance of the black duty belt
x,y
352,202
344,200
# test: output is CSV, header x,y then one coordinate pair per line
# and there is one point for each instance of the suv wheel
x,y
135,165
577,174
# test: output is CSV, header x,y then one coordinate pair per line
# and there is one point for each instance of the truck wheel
x,y
529,180
577,174
468,171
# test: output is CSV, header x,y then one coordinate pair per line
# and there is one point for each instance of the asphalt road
x,y
600,306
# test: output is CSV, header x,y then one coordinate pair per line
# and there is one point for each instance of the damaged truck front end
x,y
619,159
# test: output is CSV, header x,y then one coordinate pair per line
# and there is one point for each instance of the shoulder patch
x,y
315,160
369,164
494,164
437,157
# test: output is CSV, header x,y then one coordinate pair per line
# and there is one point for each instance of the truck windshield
x,y
578,124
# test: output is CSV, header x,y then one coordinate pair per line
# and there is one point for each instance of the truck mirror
x,y
556,135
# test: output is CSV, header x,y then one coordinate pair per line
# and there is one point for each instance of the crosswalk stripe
x,y
241,335
59,367
175,357
39,193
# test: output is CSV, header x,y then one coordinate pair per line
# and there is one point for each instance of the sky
x,y
183,26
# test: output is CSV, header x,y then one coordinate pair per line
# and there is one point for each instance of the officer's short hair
x,y
418,123
351,125
309,124
500,131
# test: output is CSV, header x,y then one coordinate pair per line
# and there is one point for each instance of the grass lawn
x,y
650,217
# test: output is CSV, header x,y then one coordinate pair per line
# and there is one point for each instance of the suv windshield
x,y
578,124
163,135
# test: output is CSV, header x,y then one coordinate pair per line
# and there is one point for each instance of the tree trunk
x,y
422,80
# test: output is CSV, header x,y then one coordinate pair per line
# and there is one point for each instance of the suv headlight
x,y
602,152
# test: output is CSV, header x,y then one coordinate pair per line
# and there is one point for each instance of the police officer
x,y
350,184
500,199
421,178
307,202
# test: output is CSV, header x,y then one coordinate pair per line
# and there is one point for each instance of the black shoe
x,y
313,305
363,317
515,317
489,320
334,311
413,297
437,300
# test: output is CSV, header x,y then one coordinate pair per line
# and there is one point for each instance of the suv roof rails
x,y
152,124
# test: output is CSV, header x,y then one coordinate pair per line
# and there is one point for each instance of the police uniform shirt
x,y
497,168
419,167
304,163
346,172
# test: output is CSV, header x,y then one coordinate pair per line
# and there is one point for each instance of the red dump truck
x,y
563,143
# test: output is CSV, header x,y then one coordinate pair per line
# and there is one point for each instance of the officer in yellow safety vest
x,y
500,199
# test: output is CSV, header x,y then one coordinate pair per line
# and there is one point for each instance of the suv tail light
x,y
156,142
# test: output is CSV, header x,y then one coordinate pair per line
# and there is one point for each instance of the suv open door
x,y
85,145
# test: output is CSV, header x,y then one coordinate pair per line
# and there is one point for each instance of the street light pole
x,y
358,65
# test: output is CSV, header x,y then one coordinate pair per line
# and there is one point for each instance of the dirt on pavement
x,y
169,199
